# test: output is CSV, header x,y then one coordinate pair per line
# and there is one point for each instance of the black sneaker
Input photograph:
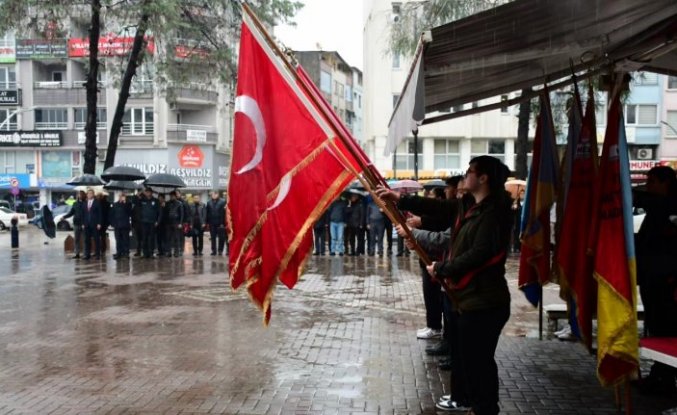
x,y
452,406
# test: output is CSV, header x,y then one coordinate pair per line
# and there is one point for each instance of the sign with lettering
x,y
31,139
196,136
190,156
41,48
10,97
109,45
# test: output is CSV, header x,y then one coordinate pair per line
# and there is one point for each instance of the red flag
x,y
287,166
572,257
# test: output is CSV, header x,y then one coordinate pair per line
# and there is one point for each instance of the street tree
x,y
416,17
173,41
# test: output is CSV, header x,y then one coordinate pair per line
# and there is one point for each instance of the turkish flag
x,y
287,166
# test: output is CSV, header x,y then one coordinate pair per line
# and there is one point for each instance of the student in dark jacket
x,y
354,223
186,219
475,266
162,233
77,211
216,219
91,224
320,229
137,227
119,218
337,223
150,218
174,223
105,208
198,219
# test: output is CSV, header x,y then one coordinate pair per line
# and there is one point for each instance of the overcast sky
x,y
335,25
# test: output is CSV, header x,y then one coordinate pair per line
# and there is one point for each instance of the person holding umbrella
x,y
119,218
150,218
91,225
176,216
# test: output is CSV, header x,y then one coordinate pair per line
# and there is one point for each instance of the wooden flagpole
x,y
370,178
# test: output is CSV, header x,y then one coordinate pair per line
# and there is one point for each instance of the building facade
x,y
181,128
668,122
340,84
444,148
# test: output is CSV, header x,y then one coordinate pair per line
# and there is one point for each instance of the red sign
x,y
109,45
643,165
190,156
187,52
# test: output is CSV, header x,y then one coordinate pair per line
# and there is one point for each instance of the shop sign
x,y
31,139
190,156
643,165
196,136
41,48
82,137
109,45
15,180
8,50
10,97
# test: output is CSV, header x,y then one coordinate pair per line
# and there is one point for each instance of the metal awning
x,y
526,43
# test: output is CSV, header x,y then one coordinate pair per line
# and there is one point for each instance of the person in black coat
x,y
91,224
174,220
320,230
150,218
216,219
197,222
161,232
105,208
119,218
355,220
137,227
76,212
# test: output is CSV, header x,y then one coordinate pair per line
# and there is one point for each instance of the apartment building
x,y
340,84
181,128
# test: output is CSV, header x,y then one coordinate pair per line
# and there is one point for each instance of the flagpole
x,y
371,174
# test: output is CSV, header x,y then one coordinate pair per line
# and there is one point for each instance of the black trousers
x,y
92,233
174,234
320,240
148,239
432,298
478,333
351,238
137,230
122,241
217,233
198,240
162,240
361,237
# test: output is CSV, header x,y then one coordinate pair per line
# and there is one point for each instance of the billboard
x,y
31,139
41,48
109,45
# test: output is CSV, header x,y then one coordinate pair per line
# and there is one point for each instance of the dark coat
x,y
323,221
120,214
91,217
150,210
216,212
337,211
76,212
176,214
198,215
356,214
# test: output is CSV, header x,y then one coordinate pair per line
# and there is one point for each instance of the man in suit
x,y
91,224
216,219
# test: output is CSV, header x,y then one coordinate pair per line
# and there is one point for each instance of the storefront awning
x,y
525,43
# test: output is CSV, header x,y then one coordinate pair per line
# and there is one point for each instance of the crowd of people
x,y
158,225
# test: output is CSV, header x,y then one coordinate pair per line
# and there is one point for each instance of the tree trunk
x,y
135,59
522,143
92,89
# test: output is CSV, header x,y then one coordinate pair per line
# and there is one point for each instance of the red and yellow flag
x,y
614,265
288,164
573,260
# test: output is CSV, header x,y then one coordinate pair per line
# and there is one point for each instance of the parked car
x,y
6,216
57,211
61,223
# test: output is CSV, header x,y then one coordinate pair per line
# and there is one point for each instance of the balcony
x,y
191,133
141,89
193,93
51,125
100,125
10,126
51,93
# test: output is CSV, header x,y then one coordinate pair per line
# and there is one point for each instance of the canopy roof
x,y
527,42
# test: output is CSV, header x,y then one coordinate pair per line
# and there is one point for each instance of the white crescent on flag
x,y
249,107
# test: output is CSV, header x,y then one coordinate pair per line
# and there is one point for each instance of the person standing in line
x,y
120,215
77,210
137,226
216,220
103,232
320,231
92,225
198,219
376,223
162,241
150,219
186,220
176,216
355,220
337,223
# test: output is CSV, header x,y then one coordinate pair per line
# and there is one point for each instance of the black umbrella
x,y
356,185
86,180
48,225
125,173
122,185
164,180
431,184
162,190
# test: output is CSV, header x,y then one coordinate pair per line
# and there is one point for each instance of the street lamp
x,y
670,127
18,111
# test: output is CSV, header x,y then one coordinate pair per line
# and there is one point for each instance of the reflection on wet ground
x,y
168,336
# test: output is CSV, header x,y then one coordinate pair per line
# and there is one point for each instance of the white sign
x,y
82,137
643,165
630,133
196,136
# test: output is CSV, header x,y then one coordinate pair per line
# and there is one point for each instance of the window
x,y
338,89
504,98
397,7
671,127
645,78
58,76
495,148
396,61
359,101
457,108
81,118
672,82
404,157
325,82
138,121
475,104
7,78
349,93
641,114
11,124
51,119
9,162
396,97
447,154
76,163
600,112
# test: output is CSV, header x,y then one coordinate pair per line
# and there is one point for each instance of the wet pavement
x,y
167,336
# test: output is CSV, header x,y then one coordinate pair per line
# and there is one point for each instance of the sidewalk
x,y
168,336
